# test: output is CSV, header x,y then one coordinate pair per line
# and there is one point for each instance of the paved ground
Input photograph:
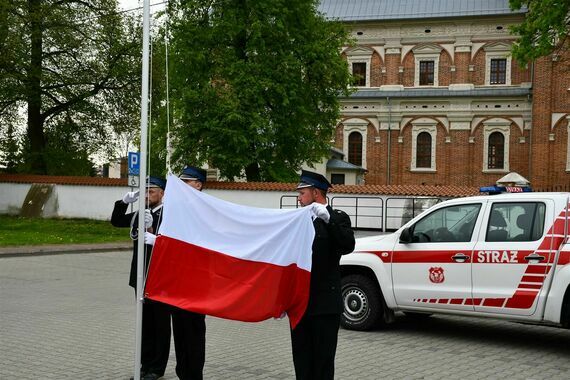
x,y
71,316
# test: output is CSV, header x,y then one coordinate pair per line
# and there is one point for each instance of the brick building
x,y
440,101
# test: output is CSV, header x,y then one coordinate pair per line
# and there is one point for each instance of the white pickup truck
x,y
502,256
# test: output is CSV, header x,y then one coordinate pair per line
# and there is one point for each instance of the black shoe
x,y
151,376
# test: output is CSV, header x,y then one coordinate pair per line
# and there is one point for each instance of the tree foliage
x,y
73,68
544,30
256,84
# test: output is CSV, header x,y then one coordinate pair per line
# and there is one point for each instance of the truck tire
x,y
362,302
565,314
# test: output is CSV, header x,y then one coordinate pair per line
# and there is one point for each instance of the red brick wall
x,y
409,70
448,155
392,64
460,162
551,95
519,74
376,77
444,74
477,77
462,67
541,119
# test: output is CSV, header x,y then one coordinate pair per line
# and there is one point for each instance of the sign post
x,y
134,169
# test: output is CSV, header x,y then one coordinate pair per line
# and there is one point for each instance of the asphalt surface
x,y
71,316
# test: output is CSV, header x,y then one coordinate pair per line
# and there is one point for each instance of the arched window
x,y
423,150
496,153
355,148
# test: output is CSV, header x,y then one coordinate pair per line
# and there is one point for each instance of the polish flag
x,y
230,261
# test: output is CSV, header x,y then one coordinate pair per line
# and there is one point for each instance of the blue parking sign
x,y
134,163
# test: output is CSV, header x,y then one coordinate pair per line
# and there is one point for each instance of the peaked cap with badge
x,y
193,173
312,179
152,181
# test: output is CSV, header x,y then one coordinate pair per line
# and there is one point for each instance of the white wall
x,y
13,195
96,202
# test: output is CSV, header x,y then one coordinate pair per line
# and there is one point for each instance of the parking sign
x,y
134,163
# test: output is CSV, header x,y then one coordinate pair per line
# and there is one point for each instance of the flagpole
x,y
142,187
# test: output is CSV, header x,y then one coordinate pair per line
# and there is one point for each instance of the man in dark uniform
x,y
156,316
189,328
314,339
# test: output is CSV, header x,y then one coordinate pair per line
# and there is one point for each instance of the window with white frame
x,y
496,151
498,64
426,60
498,71
355,148
423,147
496,148
423,150
359,59
359,73
354,141
427,73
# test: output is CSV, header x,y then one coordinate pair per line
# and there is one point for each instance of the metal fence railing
x,y
364,212
374,212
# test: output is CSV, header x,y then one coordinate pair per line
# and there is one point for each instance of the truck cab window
x,y
522,221
449,224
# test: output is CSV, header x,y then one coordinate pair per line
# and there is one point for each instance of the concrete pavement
x,y
72,316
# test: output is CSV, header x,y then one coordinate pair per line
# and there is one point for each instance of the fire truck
x,y
503,256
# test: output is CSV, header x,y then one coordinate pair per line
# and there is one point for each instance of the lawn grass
x,y
16,230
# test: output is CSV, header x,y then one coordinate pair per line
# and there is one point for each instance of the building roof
x,y
442,93
376,10
335,163
397,190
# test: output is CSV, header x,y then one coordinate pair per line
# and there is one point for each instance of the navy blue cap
x,y
193,173
155,182
312,179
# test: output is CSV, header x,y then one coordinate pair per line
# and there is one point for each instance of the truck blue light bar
x,y
504,189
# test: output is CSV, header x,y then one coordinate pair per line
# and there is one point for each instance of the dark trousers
x,y
155,337
189,331
314,342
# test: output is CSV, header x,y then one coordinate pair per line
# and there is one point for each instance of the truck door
x,y
434,269
512,257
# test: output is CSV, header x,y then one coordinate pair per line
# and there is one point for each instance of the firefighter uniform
x,y
155,345
314,339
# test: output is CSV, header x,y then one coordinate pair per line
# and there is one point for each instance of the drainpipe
x,y
389,140
530,100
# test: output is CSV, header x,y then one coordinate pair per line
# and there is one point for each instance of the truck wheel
x,y
362,302
565,315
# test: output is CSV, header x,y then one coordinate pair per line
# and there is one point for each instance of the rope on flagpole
x,y
149,101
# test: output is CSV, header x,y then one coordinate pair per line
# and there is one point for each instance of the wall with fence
x,y
378,212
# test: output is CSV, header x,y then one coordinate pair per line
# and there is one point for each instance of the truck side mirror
x,y
406,235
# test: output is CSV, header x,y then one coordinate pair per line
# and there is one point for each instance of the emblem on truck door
x,y
436,275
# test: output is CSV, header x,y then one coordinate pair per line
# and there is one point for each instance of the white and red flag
x,y
230,261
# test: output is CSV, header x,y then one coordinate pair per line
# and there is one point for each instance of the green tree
x,y
256,84
544,30
10,149
71,66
